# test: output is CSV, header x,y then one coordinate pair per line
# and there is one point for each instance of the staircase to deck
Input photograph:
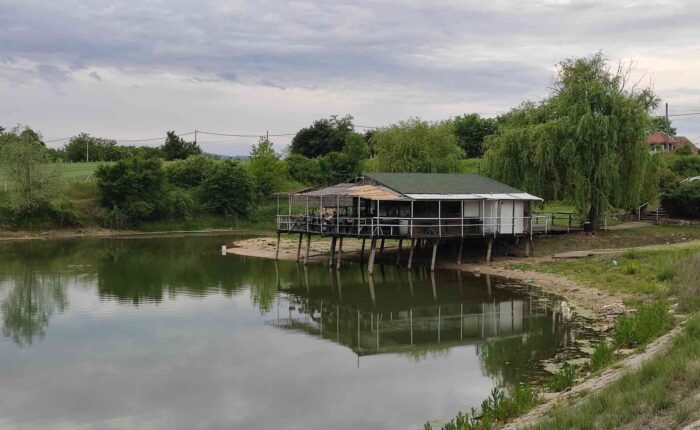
x,y
654,215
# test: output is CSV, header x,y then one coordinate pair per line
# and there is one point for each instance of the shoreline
x,y
104,233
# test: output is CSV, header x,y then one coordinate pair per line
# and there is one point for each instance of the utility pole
x,y
195,136
267,135
87,150
667,126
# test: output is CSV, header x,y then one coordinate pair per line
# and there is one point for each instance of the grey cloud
x,y
51,73
96,76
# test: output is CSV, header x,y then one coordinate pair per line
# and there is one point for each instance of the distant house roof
x,y
659,138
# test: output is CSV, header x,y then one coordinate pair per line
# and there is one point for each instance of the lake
x,y
169,334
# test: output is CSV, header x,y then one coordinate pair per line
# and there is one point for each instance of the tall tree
x,y
417,146
84,147
471,130
323,136
266,169
584,143
660,123
176,148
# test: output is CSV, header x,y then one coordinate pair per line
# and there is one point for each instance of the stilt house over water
x,y
426,207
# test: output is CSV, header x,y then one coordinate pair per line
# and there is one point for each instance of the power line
x,y
244,135
686,114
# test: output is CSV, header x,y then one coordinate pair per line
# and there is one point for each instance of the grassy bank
x,y
663,394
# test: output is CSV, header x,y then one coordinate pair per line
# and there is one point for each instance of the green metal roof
x,y
440,183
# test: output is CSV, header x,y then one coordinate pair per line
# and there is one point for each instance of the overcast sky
x,y
133,69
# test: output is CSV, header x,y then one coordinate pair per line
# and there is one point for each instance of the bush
x,y
267,171
602,355
302,169
649,322
227,189
188,173
686,165
135,187
181,203
563,379
682,200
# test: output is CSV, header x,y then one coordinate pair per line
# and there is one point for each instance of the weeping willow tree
x,y
584,143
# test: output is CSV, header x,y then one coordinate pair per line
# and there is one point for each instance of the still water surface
x,y
169,334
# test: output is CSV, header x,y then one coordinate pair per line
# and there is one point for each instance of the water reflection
x,y
150,331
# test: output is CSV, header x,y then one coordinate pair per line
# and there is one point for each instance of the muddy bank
x,y
265,247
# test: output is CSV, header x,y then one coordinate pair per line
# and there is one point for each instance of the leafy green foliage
x,y
602,355
586,142
302,169
498,407
266,169
682,199
471,131
176,148
686,165
227,189
649,322
660,123
563,379
25,163
417,146
684,151
188,173
83,145
134,188
323,136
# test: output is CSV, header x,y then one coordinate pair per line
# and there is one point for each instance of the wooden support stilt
x,y
277,250
527,247
398,253
340,253
372,252
308,248
488,251
459,253
333,242
410,254
362,251
381,248
301,237
432,261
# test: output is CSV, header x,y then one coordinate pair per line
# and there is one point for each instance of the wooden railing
x,y
413,227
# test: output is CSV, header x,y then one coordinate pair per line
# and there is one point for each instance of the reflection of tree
x,y
515,359
29,305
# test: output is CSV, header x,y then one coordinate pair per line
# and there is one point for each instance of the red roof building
x,y
661,141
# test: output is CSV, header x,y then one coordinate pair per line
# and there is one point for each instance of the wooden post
x,y
340,253
398,253
410,253
381,248
333,242
432,261
308,247
489,249
459,253
362,250
527,247
372,252
301,237
277,250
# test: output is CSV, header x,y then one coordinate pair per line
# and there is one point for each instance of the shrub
x,y
188,173
666,269
683,199
267,171
602,355
134,186
649,322
563,379
686,165
302,169
180,203
227,189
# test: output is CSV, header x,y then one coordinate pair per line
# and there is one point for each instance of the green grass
x,y
563,379
641,274
602,355
662,392
649,322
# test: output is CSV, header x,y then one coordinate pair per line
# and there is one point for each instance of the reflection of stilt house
x,y
411,206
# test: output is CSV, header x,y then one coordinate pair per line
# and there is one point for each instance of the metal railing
x,y
417,227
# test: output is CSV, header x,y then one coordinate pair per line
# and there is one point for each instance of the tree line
x,y
584,143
